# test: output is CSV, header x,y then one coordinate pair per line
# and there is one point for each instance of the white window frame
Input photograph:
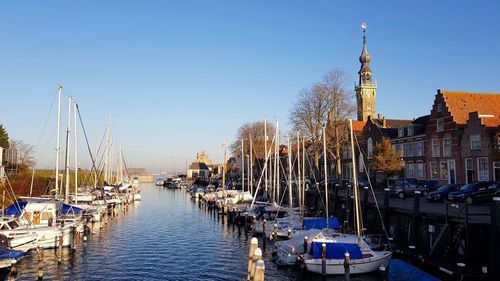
x,y
442,173
483,177
439,125
369,147
436,165
475,144
410,130
446,152
436,148
401,132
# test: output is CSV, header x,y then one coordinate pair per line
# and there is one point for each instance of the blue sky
x,y
181,76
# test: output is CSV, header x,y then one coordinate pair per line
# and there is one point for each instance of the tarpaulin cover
x,y
402,271
320,223
336,250
69,208
14,209
10,254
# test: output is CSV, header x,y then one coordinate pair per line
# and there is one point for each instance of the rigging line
x,y
373,192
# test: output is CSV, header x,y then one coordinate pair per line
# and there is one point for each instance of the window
x,y
409,149
475,142
439,107
435,148
346,171
434,168
439,125
447,147
401,132
361,164
419,148
444,170
410,130
346,152
482,168
369,146
420,171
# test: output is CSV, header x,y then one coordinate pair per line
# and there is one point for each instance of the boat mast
x,y
265,153
290,200
355,186
326,176
277,143
251,166
299,183
242,165
121,165
76,154
68,128
58,138
106,152
224,172
303,171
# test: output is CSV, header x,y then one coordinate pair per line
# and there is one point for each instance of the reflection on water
x,y
165,237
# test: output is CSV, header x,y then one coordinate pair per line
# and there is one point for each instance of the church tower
x,y
366,90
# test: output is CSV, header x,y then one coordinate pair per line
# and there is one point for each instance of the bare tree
x,y
25,153
327,102
255,132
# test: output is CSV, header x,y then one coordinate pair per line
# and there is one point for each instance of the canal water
x,y
166,236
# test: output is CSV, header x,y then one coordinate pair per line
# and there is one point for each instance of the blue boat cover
x,y
336,250
400,270
15,209
66,208
10,254
320,223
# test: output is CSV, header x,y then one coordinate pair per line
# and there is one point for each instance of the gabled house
x,y
445,130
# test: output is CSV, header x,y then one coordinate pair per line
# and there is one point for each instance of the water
x,y
166,236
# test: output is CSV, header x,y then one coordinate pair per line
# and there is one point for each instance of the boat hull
x,y
358,266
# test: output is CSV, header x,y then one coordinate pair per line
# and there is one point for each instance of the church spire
x,y
365,73
366,90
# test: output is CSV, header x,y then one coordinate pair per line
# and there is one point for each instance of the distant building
x,y
201,167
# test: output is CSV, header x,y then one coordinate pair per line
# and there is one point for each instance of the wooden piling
x,y
289,233
60,248
305,244
74,237
347,269
39,271
257,255
254,243
323,260
13,271
259,271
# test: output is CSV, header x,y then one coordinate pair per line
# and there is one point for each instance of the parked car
x,y
476,192
442,192
410,186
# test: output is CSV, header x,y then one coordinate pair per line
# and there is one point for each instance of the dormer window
x,y
410,130
401,132
439,107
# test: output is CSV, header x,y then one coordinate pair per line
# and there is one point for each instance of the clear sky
x,y
181,76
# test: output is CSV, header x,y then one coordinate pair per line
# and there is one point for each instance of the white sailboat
x,y
362,258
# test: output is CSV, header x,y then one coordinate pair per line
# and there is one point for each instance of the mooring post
x,y
383,272
305,244
289,232
257,255
60,248
13,271
39,271
323,260
416,211
254,243
264,222
494,263
347,269
386,209
74,237
246,219
260,269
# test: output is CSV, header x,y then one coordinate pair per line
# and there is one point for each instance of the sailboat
x,y
363,259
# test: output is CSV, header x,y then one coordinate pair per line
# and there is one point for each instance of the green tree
x,y
4,137
386,160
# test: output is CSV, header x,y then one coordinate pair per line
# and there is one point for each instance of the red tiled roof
x,y
460,104
357,126
490,122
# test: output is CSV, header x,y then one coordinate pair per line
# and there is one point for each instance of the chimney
x,y
384,122
379,117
